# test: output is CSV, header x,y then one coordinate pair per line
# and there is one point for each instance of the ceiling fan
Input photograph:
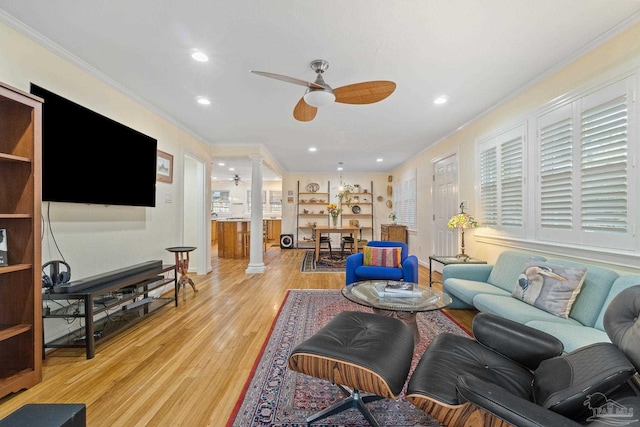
x,y
319,94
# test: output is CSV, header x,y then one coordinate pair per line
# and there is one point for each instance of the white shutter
x,y
604,167
410,208
489,187
406,200
555,198
511,194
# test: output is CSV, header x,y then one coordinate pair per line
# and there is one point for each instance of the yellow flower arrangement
x,y
334,210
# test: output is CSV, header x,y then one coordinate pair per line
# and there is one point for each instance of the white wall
x,y
94,239
611,58
290,184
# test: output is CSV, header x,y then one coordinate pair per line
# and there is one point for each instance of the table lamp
x,y
462,220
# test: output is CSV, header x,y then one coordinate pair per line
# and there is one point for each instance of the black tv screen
x,y
90,158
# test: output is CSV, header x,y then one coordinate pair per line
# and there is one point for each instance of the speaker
x,y
286,241
55,276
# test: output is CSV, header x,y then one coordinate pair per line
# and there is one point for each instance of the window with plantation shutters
x,y
584,170
405,200
568,176
501,177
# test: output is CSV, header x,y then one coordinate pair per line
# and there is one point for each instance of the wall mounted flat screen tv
x,y
89,158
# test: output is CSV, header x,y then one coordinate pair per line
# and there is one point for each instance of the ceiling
x,y
476,53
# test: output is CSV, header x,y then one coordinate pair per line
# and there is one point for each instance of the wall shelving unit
x,y
358,209
311,208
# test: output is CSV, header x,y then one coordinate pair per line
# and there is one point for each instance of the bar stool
x,y
265,234
182,267
246,243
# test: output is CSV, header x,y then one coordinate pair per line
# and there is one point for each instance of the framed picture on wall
x,y
164,167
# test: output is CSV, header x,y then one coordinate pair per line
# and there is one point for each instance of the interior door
x,y
195,204
445,205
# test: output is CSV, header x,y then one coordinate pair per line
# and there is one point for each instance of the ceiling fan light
x,y
319,97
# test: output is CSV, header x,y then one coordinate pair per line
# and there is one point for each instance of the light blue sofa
x,y
488,288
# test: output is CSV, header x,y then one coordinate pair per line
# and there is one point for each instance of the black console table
x,y
108,303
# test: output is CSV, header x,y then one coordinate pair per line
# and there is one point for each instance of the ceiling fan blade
x,y
365,92
304,112
288,79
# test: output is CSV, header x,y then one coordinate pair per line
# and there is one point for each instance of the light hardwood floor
x,y
183,366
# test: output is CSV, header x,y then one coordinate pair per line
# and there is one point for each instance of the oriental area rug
x,y
327,262
276,396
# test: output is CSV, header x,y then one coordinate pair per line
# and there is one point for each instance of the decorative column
x,y
256,260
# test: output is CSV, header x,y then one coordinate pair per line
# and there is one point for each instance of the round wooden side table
x,y
182,267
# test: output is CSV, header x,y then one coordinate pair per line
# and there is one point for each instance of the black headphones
x,y
55,276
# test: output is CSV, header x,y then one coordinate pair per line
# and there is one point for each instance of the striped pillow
x,y
383,257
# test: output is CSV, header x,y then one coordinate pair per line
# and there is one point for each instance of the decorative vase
x,y
335,220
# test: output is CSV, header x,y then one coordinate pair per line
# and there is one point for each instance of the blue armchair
x,y
356,271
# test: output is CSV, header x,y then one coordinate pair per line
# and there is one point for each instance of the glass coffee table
x,y
367,293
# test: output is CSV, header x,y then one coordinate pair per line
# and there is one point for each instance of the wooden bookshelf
x,y
20,213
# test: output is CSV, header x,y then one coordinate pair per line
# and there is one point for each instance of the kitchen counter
x,y
233,237
233,234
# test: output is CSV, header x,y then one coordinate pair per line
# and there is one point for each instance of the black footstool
x,y
365,352
47,415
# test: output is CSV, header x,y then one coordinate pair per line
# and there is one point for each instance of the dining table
x,y
346,229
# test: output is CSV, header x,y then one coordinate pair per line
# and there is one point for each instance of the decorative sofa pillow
x,y
549,287
382,257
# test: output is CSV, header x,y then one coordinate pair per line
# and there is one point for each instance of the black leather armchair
x,y
511,374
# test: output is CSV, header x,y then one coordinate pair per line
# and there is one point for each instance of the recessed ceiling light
x,y
199,56
440,100
313,149
203,101
221,164
379,159
232,169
